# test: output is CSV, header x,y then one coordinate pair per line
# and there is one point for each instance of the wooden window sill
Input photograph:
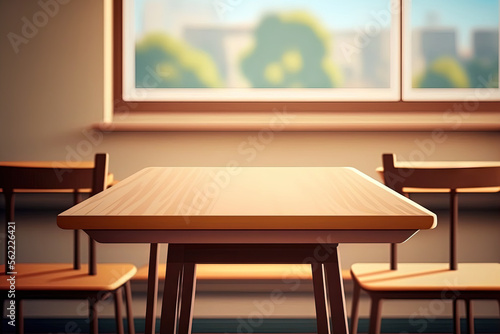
x,y
283,120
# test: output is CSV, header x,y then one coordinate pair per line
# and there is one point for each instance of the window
x,y
251,56
267,50
451,49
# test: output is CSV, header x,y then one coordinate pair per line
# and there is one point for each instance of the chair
x,y
95,282
453,281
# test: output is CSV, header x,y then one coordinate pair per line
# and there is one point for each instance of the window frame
x,y
119,109
410,93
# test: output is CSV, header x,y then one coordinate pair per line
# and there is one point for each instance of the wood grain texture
x,y
444,165
427,276
48,164
62,276
255,198
243,272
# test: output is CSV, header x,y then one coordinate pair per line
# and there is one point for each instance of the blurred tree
x,y
163,62
290,50
483,73
444,72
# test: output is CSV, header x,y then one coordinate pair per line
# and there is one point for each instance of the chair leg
x,y
93,322
118,296
498,308
320,299
152,290
128,301
20,317
355,307
187,298
456,317
470,316
375,315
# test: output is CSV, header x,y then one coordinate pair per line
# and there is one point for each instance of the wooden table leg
x,y
171,290
187,298
320,299
336,297
152,290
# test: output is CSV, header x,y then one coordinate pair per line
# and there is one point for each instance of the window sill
x,y
283,120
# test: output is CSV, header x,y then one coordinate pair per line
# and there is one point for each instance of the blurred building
x,y
437,42
366,66
485,44
376,60
225,44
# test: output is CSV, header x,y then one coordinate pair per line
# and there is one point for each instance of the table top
x,y
248,198
444,165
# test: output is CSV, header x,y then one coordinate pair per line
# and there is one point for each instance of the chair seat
x,y
427,277
243,272
62,276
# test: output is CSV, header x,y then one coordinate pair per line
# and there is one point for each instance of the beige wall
x,y
52,91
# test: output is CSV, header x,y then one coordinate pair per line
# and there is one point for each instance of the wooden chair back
x,y
13,178
398,178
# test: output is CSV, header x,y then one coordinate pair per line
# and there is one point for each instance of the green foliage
x,y
444,72
290,51
483,73
163,62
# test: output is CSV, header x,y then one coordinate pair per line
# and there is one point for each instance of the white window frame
x,y
435,94
392,93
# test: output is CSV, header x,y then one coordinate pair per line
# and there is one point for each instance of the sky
x,y
338,14
464,15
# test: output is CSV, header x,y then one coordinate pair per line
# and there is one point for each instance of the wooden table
x,y
247,215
